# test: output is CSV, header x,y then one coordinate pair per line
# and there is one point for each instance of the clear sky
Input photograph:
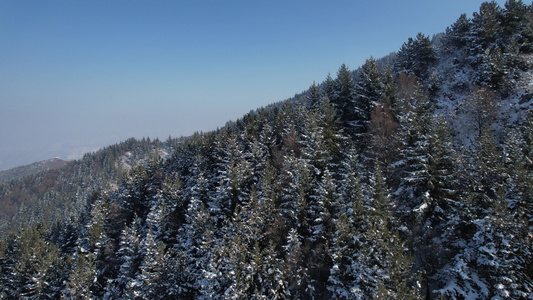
x,y
78,75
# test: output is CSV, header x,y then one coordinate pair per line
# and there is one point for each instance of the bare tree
x,y
383,130
482,107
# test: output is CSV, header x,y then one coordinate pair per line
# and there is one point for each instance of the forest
x,y
410,177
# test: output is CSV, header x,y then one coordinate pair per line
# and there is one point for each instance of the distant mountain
x,y
55,189
22,171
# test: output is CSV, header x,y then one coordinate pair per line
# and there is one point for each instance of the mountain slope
x,y
30,169
38,193
408,179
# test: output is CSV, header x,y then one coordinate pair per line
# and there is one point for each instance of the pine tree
x,y
414,159
456,36
343,97
299,197
487,170
82,280
38,270
390,255
493,70
329,87
97,235
130,254
246,241
323,137
299,282
313,97
100,243
198,244
341,251
517,24
173,206
486,25
526,167
389,95
239,266
273,281
416,56
327,205
8,275
234,170
149,283
370,87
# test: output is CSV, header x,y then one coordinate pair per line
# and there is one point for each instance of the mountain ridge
x,y
40,166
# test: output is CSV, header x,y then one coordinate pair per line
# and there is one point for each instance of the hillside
x,y
54,190
410,177
40,166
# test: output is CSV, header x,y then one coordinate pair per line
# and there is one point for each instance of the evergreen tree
x,y
486,177
38,269
344,95
456,36
149,283
413,164
173,206
313,97
443,181
416,56
329,87
299,282
198,245
8,275
344,248
517,23
370,87
271,275
390,255
130,254
486,25
389,95
492,70
83,278
298,199
323,137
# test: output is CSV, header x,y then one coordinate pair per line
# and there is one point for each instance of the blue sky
x,y
78,75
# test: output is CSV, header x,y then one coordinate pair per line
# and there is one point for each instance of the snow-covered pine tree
x,y
486,26
314,97
328,87
271,275
456,35
130,257
39,270
388,259
369,85
416,56
150,280
518,24
344,96
413,165
344,248
296,272
82,281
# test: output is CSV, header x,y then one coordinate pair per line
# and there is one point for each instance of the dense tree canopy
x,y
411,177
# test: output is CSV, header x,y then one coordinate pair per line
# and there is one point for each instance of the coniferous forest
x,y
410,177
